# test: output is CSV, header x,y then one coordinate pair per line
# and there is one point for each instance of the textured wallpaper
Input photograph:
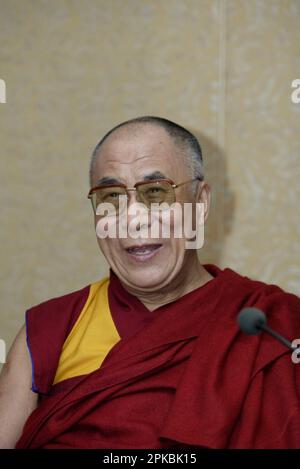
x,y
75,68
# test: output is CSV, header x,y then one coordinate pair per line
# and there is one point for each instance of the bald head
x,y
185,143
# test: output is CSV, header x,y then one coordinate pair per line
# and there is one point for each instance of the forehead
x,y
137,150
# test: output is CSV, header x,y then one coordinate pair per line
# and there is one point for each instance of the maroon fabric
x,y
189,377
128,313
48,325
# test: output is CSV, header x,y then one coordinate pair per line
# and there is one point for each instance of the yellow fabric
x,y
91,337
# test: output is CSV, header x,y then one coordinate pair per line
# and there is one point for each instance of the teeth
x,y
143,249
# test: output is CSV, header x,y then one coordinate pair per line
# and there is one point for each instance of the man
x,y
151,356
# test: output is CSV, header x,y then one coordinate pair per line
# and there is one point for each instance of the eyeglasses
x,y
148,192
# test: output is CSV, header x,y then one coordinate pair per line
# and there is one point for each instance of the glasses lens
x,y
156,193
107,195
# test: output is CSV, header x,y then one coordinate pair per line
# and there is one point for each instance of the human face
x,y
129,155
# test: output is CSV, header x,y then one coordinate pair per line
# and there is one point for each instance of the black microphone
x,y
252,321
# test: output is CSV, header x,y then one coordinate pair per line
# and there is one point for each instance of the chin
x,y
146,280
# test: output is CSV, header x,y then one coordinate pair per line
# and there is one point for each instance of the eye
x,y
113,195
155,190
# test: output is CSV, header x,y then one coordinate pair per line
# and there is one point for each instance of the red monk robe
x,y
185,375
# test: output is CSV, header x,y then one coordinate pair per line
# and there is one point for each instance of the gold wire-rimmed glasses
x,y
156,191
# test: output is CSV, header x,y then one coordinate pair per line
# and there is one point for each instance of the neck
x,y
192,275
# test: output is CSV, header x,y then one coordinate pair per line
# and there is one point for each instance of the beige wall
x,y
75,68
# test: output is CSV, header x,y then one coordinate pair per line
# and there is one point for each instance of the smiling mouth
x,y
144,252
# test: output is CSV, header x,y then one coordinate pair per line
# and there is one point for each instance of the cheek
x,y
177,246
173,223
110,248
109,244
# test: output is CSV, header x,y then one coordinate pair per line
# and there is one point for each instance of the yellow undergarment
x,y
91,338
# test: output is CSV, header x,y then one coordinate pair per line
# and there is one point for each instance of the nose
x,y
131,196
137,215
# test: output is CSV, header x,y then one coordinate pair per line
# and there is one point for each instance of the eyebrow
x,y
154,175
108,180
148,177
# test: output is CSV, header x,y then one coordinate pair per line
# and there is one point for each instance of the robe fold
x,y
181,376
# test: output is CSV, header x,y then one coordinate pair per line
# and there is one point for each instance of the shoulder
x,y
253,286
47,327
268,293
68,301
62,300
281,307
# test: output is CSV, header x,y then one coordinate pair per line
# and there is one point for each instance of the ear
x,y
204,196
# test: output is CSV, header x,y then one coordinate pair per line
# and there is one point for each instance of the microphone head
x,y
250,320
